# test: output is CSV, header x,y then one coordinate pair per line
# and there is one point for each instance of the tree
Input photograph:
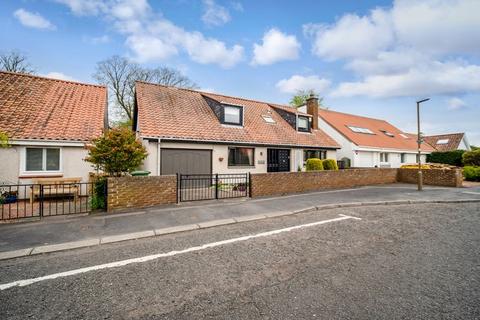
x,y
119,75
4,140
300,98
14,61
116,152
472,158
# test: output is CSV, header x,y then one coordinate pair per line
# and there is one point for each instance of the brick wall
x,y
267,184
140,192
436,177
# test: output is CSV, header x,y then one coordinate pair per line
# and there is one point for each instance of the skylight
x,y
360,130
442,141
404,135
268,119
388,133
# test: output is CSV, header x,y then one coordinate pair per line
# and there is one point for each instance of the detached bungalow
x,y
368,142
193,132
449,142
48,122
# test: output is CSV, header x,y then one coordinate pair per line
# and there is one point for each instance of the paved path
x,y
92,230
397,262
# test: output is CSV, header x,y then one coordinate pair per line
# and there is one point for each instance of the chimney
x,y
312,109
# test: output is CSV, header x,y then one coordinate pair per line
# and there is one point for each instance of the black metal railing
x,y
194,187
18,201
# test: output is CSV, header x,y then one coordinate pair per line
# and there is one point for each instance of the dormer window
x,y
233,115
303,124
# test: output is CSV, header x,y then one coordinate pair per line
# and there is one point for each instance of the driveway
x,y
381,262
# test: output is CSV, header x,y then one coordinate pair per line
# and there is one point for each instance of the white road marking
x,y
116,264
471,192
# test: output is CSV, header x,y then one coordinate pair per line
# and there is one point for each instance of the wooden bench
x,y
53,187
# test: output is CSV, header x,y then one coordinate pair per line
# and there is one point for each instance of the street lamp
x,y
419,142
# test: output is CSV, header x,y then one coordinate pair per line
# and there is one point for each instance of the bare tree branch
x,y
120,74
14,61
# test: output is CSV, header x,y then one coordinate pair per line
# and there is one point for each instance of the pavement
x,y
70,232
410,261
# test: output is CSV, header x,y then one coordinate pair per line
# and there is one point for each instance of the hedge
x,y
471,173
453,158
314,164
330,164
472,158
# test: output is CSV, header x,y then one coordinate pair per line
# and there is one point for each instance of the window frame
x,y
322,154
360,130
241,110
44,171
301,129
403,157
385,158
240,165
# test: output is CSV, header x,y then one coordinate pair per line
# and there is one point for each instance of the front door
x,y
278,160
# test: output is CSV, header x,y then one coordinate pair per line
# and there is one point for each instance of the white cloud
x,y
351,36
456,104
152,38
276,46
214,14
430,79
97,40
59,75
237,6
33,20
297,82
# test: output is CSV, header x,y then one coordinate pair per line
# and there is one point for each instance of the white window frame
x,y
386,157
443,141
360,130
43,172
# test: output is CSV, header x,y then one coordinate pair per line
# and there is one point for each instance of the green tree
x,y
4,142
116,152
472,158
300,98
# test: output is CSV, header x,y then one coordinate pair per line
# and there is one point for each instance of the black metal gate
x,y
194,187
18,201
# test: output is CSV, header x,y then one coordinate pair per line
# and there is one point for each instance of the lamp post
x,y
419,143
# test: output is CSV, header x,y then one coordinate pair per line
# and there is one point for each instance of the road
x,y
397,262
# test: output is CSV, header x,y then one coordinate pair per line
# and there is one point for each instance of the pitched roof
x,y
183,114
448,142
383,134
33,107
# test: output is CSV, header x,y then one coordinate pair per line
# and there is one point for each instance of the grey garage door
x,y
186,161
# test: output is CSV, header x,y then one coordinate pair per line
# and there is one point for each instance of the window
x,y
42,159
442,141
383,157
303,124
404,135
268,119
403,157
388,133
232,115
241,157
309,154
360,130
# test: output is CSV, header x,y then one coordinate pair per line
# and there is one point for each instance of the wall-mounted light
x,y
220,159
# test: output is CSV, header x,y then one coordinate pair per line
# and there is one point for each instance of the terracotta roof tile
x,y
33,107
184,114
379,139
452,143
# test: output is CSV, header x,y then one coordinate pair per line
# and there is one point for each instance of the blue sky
x,y
373,58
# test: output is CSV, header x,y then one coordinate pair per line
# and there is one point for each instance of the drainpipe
x,y
158,156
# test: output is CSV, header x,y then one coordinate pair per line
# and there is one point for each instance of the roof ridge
x,y
355,115
216,94
52,79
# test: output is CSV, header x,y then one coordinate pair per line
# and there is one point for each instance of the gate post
x,y
249,178
179,188
41,201
216,185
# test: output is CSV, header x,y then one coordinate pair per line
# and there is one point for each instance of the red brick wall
x,y
267,184
436,177
140,192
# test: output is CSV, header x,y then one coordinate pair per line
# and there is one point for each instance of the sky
x,y
371,58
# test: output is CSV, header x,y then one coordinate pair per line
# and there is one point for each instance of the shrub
x,y
116,152
98,200
453,158
472,158
314,164
471,173
4,143
330,164
415,166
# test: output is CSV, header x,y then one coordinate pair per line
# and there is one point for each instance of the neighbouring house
x,y
369,142
48,122
193,132
449,142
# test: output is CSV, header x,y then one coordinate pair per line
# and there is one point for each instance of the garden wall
x,y
435,177
268,184
140,192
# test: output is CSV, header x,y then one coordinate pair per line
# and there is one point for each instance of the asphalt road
x,y
397,262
